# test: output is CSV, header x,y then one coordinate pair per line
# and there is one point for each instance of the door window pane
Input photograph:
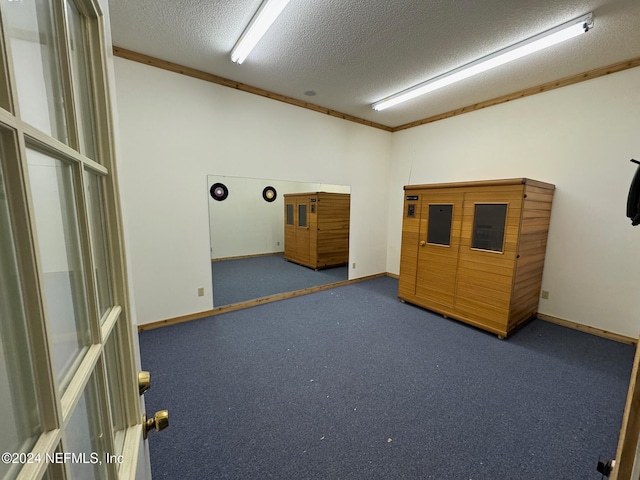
x,y
19,417
302,215
114,379
53,194
439,226
85,435
32,37
488,226
48,475
99,241
83,94
289,214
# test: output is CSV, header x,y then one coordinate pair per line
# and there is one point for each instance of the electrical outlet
x,y
277,244
201,292
353,265
545,294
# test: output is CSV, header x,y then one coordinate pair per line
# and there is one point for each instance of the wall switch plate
x,y
201,292
545,294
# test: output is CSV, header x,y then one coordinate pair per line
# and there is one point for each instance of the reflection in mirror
x,y
247,241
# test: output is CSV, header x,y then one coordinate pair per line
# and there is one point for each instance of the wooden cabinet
x,y
474,251
316,229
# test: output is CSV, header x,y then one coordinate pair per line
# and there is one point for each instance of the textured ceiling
x,y
354,52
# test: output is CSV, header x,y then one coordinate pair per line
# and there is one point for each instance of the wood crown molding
x,y
545,87
209,77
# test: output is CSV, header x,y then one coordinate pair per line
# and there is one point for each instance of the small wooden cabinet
x,y
474,251
316,229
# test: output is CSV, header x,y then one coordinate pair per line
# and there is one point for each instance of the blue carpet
x,y
349,383
245,279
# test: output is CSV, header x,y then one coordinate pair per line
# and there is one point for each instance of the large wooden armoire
x,y
316,229
474,251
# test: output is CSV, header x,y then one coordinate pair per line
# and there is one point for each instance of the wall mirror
x,y
246,231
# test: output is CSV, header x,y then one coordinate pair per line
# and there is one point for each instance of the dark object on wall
x,y
633,201
605,467
269,194
219,191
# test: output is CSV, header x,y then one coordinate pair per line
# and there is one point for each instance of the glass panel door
x,y
67,370
19,415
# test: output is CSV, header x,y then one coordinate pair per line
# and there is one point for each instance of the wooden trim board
x,y
282,296
545,87
630,430
241,257
209,77
252,303
587,329
482,183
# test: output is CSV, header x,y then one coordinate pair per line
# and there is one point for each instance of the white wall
x,y
579,138
176,130
244,223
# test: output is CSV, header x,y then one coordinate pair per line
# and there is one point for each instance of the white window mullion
x,y
6,99
47,443
50,144
6,118
76,388
115,235
110,321
130,452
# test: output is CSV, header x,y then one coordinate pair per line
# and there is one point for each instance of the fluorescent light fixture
x,y
260,23
543,40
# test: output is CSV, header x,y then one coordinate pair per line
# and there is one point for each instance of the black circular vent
x,y
219,191
269,194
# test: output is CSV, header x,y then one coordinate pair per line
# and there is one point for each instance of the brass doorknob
x,y
144,382
160,421
423,243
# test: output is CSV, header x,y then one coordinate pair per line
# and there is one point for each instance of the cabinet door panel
x,y
440,222
488,253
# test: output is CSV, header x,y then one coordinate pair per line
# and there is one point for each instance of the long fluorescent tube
x,y
260,23
543,40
